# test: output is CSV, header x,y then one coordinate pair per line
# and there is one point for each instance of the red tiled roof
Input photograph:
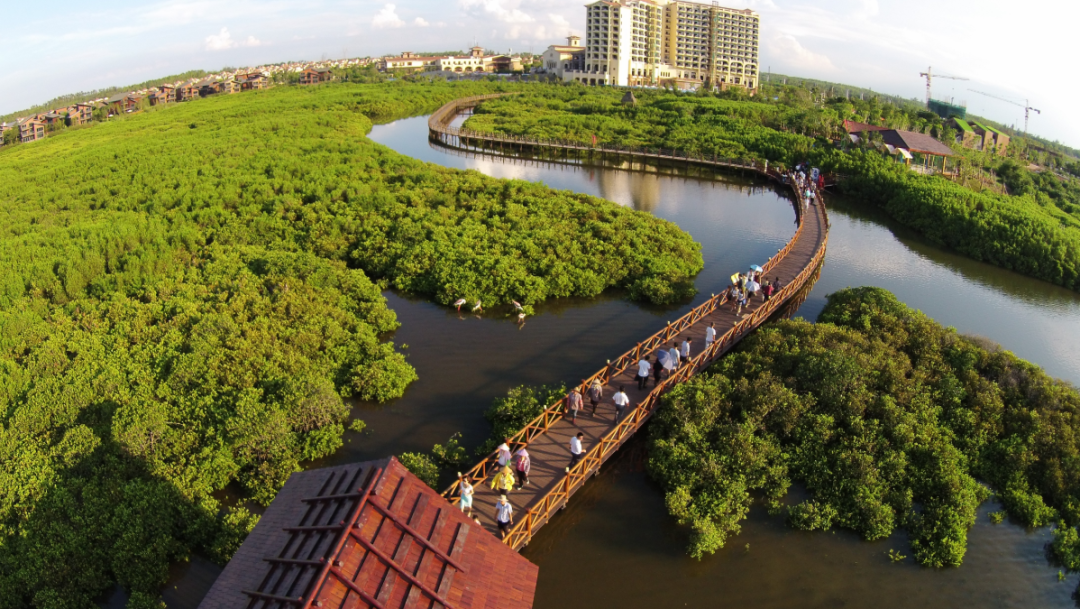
x,y
370,535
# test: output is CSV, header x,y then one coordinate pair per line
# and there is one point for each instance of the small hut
x,y
629,99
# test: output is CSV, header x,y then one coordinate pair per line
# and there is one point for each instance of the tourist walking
x,y
777,286
752,288
643,369
522,466
573,404
504,516
596,393
684,349
733,297
768,291
504,480
503,452
657,373
710,335
466,495
674,352
621,402
577,451
742,303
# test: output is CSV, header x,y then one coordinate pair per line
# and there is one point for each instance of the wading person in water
x,y
643,369
573,404
596,393
504,516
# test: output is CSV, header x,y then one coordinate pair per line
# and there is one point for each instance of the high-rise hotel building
x,y
660,42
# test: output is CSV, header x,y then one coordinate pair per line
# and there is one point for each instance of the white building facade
x,y
669,42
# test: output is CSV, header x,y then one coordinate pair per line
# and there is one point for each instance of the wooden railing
x,y
540,512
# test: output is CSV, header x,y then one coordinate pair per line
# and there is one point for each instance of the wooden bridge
x,y
548,435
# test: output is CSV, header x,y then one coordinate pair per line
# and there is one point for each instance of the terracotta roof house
x,y
370,535
857,127
251,81
314,76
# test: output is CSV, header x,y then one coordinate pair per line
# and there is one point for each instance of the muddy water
x,y
615,546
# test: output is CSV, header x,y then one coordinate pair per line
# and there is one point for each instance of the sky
x,y
1015,50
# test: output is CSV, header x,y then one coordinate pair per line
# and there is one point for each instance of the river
x,y
615,545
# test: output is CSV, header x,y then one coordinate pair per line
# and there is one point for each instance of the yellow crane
x,y
1026,106
929,74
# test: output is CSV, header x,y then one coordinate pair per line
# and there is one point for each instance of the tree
x,y
11,136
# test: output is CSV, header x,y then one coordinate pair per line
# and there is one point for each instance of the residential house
x,y
990,138
506,63
81,113
31,129
314,76
166,94
53,118
252,81
966,136
559,58
408,61
4,128
186,92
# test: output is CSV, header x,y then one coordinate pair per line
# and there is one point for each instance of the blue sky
x,y
1012,49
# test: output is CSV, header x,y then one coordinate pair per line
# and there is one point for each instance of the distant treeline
x,y
74,98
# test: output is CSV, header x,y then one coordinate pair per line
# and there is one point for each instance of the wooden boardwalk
x,y
548,436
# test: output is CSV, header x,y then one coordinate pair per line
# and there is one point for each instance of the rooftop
x,y
370,535
915,142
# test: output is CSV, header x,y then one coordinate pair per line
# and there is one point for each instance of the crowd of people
x,y
513,467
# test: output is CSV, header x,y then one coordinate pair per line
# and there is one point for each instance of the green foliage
x,y
422,466
11,137
357,425
189,294
885,416
895,556
450,455
1036,231
997,517
510,414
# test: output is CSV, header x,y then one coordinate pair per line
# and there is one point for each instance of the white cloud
x,y
505,11
221,41
387,17
252,42
794,54
420,22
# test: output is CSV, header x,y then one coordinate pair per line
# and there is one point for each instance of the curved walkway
x,y
548,436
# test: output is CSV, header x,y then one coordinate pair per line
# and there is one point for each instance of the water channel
x,y
615,544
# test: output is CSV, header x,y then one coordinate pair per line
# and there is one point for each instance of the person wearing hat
x,y
504,515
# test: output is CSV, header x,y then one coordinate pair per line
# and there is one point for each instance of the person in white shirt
x,y
684,349
643,370
504,515
466,496
674,355
621,402
576,450
710,335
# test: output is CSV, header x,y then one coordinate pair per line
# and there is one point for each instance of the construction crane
x,y
929,74
1026,106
